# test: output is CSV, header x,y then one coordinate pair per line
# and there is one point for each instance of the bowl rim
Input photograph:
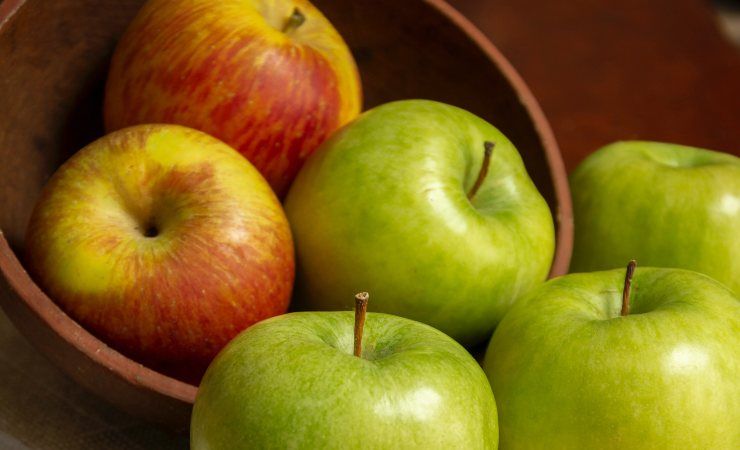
x,y
556,166
141,376
74,334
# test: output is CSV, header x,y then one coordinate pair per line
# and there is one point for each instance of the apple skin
x,y
569,372
293,382
222,258
664,205
382,207
225,67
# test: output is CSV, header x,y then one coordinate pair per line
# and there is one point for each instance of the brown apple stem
x,y
295,20
627,288
487,151
360,313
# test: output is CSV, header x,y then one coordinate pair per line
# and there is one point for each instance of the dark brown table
x,y
606,71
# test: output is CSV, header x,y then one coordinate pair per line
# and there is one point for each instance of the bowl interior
x,y
53,62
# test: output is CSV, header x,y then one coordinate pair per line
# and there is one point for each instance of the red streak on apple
x,y
219,257
220,67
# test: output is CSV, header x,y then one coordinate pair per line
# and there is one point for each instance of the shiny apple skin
x,y
222,258
664,205
382,206
569,372
293,382
225,67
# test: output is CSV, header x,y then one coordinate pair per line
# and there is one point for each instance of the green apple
x,y
403,202
310,380
580,365
665,205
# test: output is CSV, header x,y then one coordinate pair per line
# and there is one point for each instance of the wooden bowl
x,y
53,62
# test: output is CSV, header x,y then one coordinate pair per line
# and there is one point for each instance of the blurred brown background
x,y
603,71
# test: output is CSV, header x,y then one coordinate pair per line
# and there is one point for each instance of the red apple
x,y
271,79
164,242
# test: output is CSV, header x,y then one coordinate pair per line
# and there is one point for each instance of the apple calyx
x,y
294,21
487,151
627,288
151,231
360,313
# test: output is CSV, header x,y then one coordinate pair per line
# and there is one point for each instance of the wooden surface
x,y
40,408
635,69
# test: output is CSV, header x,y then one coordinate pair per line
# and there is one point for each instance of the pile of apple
x,y
167,238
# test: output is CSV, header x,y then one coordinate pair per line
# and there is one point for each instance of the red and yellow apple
x,y
270,78
164,242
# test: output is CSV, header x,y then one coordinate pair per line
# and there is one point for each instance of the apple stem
x,y
487,151
627,288
360,313
295,20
